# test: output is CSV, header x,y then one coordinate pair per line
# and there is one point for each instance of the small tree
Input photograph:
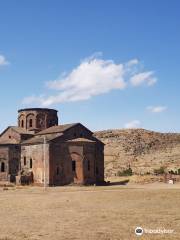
x,y
159,171
126,172
171,172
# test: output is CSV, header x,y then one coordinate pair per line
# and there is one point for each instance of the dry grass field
x,y
85,213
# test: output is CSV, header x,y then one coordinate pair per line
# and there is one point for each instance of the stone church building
x,y
41,151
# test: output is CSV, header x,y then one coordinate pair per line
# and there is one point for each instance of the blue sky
x,y
107,64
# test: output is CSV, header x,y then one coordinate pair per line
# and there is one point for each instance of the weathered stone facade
x,y
50,153
36,120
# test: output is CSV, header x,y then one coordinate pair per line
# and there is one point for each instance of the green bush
x,y
177,172
159,171
126,172
171,172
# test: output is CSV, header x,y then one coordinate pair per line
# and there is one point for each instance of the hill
x,y
142,150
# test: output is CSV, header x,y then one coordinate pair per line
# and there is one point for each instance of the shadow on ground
x,y
124,182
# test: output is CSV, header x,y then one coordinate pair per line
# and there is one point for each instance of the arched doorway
x,y
77,167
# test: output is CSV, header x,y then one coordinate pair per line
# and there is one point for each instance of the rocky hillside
x,y
140,149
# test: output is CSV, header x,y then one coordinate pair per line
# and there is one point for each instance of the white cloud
x,y
157,109
132,62
133,124
3,61
143,78
94,76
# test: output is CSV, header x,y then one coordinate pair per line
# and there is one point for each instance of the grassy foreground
x,y
85,213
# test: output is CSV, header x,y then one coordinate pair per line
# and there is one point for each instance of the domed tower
x,y
37,119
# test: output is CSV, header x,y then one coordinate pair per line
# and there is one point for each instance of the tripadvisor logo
x,y
139,231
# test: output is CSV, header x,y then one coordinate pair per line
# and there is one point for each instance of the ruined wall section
x,y
32,159
4,160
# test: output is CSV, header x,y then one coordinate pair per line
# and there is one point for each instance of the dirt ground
x,y
85,213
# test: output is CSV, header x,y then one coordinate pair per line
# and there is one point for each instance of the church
x,y
39,151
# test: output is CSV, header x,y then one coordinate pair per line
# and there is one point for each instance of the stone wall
x,y
60,164
9,156
37,119
61,157
35,153
10,136
4,159
78,131
14,161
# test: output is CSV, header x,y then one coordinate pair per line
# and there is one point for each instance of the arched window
x,y
73,165
22,123
31,163
57,171
24,161
2,167
88,165
30,123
